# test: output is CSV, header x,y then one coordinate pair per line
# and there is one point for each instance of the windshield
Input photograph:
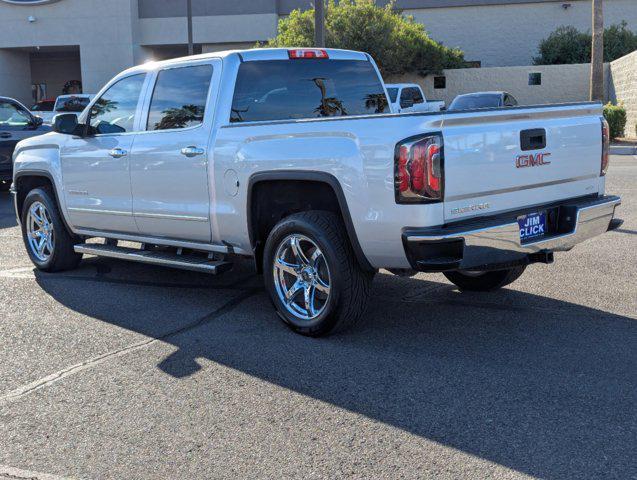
x,y
46,106
71,104
470,102
393,94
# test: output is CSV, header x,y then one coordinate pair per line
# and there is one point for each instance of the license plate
x,y
532,226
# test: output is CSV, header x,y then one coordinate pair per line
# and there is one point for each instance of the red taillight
x,y
605,147
307,53
418,169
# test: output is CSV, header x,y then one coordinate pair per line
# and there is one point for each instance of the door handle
x,y
118,153
192,151
5,135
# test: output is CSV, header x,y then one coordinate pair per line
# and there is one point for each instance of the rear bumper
x,y
494,243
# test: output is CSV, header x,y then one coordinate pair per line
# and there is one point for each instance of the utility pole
x,y
191,49
597,53
319,23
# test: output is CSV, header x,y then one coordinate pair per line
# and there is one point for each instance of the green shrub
x,y
397,43
615,115
569,45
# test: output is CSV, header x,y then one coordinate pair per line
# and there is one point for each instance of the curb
x,y
623,150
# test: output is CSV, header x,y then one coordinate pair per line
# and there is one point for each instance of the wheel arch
x,y
322,181
26,180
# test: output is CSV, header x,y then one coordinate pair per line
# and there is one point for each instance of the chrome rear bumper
x,y
495,242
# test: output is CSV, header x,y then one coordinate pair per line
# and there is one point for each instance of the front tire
x,y
48,243
312,275
485,281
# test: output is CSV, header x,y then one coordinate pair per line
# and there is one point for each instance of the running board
x,y
162,258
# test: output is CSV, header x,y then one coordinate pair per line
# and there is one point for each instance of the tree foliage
x,y
397,43
569,45
616,117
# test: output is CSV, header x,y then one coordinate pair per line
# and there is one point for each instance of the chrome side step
x,y
162,258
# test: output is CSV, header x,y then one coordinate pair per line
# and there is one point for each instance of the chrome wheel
x,y
40,232
301,277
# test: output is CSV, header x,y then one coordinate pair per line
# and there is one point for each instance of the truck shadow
x,y
7,215
538,385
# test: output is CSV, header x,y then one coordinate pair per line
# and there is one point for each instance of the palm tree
x,y
597,56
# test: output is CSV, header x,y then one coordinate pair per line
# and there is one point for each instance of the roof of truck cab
x,y
477,94
247,55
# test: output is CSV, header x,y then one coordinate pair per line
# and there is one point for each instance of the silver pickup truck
x,y
292,158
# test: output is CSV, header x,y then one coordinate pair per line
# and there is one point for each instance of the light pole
x,y
191,49
597,53
319,23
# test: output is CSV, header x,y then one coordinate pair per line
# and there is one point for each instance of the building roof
x,y
202,8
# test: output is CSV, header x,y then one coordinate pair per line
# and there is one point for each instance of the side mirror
x,y
65,123
443,108
407,103
36,122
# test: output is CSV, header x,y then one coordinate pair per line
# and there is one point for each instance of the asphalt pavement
x,y
128,371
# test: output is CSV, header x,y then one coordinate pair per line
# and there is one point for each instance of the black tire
x,y
63,256
349,284
485,281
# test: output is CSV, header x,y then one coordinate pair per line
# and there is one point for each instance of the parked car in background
x,y
73,103
16,123
408,97
43,107
472,101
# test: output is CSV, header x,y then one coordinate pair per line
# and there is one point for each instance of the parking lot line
x,y
11,473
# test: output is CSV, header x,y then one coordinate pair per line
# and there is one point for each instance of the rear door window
x,y
308,88
179,98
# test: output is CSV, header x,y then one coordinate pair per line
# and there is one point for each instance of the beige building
x,y
46,45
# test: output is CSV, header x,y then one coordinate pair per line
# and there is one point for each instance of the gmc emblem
x,y
531,160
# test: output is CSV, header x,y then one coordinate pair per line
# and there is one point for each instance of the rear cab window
x,y
412,93
310,88
71,104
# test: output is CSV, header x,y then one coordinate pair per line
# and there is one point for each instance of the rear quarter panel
x,y
358,152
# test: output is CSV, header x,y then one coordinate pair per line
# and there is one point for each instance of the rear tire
x,y
322,289
48,243
484,281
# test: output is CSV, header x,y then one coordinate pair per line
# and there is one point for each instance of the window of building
x,y
440,82
114,111
179,98
535,78
309,88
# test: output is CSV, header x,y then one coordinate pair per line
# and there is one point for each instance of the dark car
x,y
473,101
45,105
16,123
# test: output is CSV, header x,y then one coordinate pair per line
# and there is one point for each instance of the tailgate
x,y
502,160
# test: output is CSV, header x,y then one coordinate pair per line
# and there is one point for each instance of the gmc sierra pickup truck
x,y
291,157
